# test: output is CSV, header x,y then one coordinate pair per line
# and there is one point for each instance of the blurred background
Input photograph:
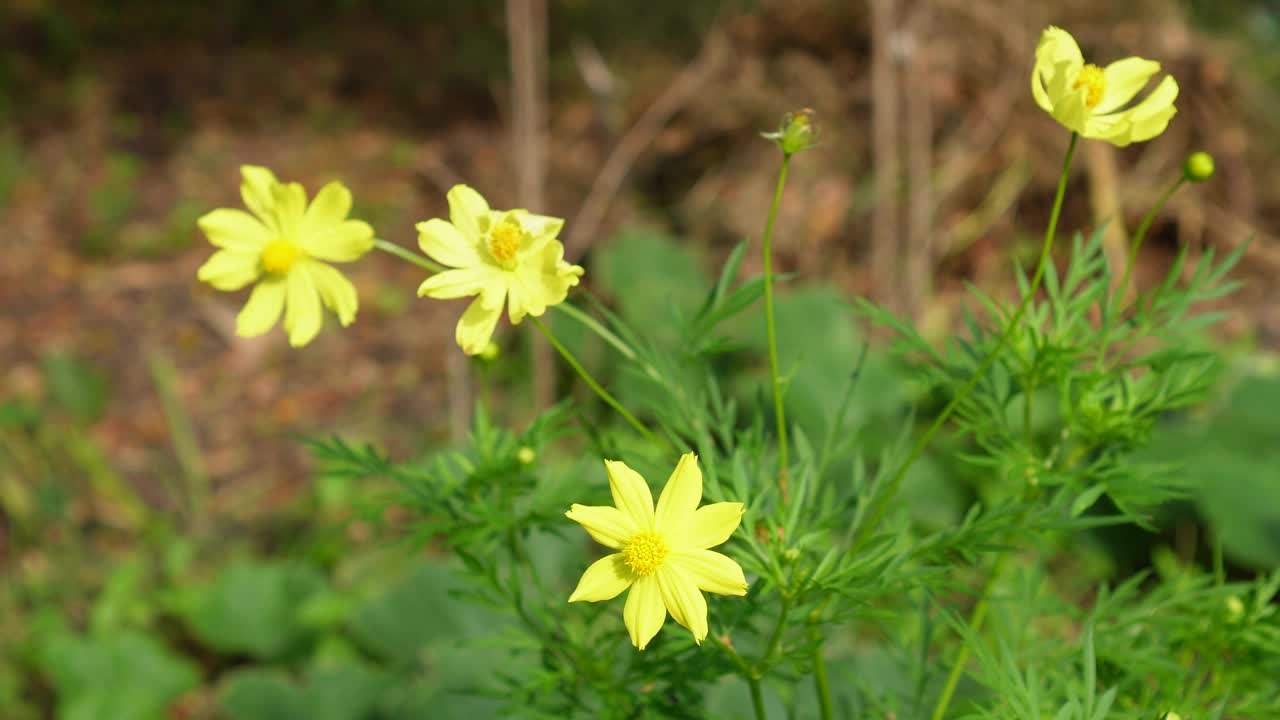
x,y
166,550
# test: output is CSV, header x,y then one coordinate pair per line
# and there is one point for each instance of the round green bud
x,y
526,455
1235,609
1199,167
796,133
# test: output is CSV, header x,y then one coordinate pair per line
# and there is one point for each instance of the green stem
x,y
413,257
976,619
882,507
1142,231
1130,261
821,684
748,674
757,697
1219,565
594,326
595,386
776,639
769,324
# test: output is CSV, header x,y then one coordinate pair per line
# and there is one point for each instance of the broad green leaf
x,y
121,675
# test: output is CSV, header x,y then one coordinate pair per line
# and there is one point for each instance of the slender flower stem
x,y
748,674
976,619
882,507
1219,566
594,326
1136,243
776,639
591,382
409,255
757,697
821,684
1142,231
770,326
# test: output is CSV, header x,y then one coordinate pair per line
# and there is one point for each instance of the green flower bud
x,y
526,455
1235,609
796,133
1199,167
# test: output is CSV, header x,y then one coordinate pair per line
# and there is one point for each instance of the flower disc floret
x,y
644,552
1092,100
284,245
279,255
664,556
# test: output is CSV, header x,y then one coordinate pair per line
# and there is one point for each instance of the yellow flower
x,y
281,246
1088,99
510,256
662,556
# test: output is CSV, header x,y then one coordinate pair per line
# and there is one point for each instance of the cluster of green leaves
x,y
112,609
1052,444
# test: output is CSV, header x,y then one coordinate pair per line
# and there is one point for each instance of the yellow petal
x,y
541,281
263,309
484,280
1057,56
709,526
469,212
1142,122
680,496
1069,105
1151,116
1125,79
605,579
256,189
710,571
538,231
229,269
608,526
683,600
235,230
443,243
1057,46
302,315
336,291
475,327
644,612
290,205
630,494
342,242
330,207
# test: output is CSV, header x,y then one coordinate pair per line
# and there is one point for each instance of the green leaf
x,y
263,695
648,273
255,608
121,675
76,386
398,625
1232,460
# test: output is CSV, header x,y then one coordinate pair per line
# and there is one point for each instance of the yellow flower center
x,y
504,243
279,255
645,552
1093,82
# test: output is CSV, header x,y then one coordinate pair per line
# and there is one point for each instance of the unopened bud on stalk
x,y
1199,167
796,133
526,455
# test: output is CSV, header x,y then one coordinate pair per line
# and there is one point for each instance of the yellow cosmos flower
x,y
1088,99
663,555
280,246
511,257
